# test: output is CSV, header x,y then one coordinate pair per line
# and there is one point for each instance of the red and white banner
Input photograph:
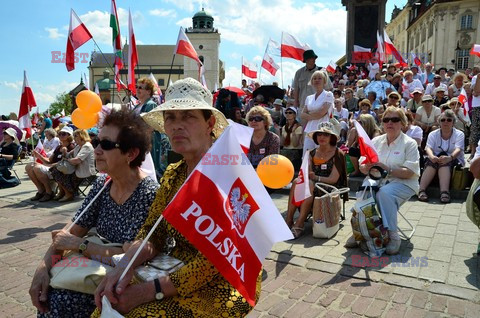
x,y
41,150
87,85
416,60
117,45
269,64
132,56
390,49
361,54
331,67
78,34
302,186
27,102
243,133
380,50
225,212
367,149
475,50
185,47
97,91
158,91
462,98
249,69
293,48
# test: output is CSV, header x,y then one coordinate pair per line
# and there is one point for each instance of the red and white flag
x,y
475,50
243,133
97,91
390,49
462,98
269,64
87,85
132,56
361,54
78,34
184,47
41,150
226,213
36,117
416,60
331,67
293,48
249,69
302,186
380,50
158,91
367,149
203,80
117,45
27,102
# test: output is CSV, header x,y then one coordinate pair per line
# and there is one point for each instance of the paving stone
x,y
324,267
314,312
446,228
347,300
281,308
472,310
463,280
333,314
438,303
300,291
419,299
405,282
397,311
448,219
464,249
456,307
422,243
428,221
454,291
402,295
424,231
297,310
435,271
467,227
443,239
440,253
376,309
315,294
467,237
416,312
371,290
360,306
458,264
329,297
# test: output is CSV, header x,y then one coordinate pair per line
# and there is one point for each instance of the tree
x,y
63,101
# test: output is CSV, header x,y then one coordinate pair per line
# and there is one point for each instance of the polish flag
x,y
97,91
367,149
243,133
462,98
185,47
292,48
230,218
117,45
87,86
380,50
203,80
361,54
27,102
269,64
302,186
41,151
132,56
78,34
36,117
249,69
331,67
475,50
417,61
158,91
390,49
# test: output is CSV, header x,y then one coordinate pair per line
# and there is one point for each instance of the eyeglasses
x,y
427,101
289,113
256,118
393,97
63,134
391,119
324,134
105,144
446,119
139,87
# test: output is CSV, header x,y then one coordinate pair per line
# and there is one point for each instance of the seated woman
x,y
341,114
445,150
264,142
291,138
8,151
118,213
463,122
40,173
327,165
82,158
398,155
365,107
197,289
427,117
51,141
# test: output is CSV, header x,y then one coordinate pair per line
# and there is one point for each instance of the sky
x,y
33,29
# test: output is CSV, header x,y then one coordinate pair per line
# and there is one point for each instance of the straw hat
x,y
185,94
12,133
324,127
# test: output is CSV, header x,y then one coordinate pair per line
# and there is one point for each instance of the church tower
x,y
206,41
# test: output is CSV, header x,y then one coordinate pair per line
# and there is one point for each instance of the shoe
x,y
37,196
59,196
393,246
46,197
351,242
297,232
66,199
422,196
445,197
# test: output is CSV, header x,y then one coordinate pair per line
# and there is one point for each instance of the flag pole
x,y
170,72
281,68
241,72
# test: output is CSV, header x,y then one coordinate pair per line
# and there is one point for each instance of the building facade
x,y
440,32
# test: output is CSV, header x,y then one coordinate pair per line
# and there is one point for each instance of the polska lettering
x,y
206,226
57,54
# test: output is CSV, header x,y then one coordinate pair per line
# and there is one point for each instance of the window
x,y
466,22
161,82
424,34
462,59
398,29
430,29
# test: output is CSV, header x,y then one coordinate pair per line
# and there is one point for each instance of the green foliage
x,y
63,101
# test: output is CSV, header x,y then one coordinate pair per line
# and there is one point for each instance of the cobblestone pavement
x,y
436,274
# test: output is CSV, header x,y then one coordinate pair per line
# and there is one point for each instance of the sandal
x,y
297,232
445,197
422,196
46,197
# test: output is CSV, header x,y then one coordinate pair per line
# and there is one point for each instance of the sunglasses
x,y
104,144
63,134
427,101
288,113
393,97
324,134
139,87
446,120
391,119
256,118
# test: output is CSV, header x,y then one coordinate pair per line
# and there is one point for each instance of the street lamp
x,y
457,50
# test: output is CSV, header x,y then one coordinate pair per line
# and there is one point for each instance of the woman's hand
x,y
434,159
133,296
63,240
63,150
305,116
111,287
39,288
312,176
444,159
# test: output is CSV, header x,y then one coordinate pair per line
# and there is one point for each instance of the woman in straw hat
x,y
197,289
327,165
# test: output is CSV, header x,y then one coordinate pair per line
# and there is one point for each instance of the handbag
x,y
460,178
367,224
79,273
326,211
65,167
160,266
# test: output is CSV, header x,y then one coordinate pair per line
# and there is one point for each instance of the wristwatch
x,y
158,289
83,246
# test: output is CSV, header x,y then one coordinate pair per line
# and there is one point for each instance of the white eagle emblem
x,y
241,210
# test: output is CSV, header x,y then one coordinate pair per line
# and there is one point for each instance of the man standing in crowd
x,y
301,89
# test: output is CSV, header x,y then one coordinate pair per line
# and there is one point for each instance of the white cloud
x,y
13,85
54,34
188,5
163,13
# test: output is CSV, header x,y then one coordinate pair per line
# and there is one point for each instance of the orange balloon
x,y
84,120
275,171
89,102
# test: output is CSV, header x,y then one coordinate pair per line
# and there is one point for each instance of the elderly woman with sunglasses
x,y
399,157
426,117
291,137
264,142
445,150
117,214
